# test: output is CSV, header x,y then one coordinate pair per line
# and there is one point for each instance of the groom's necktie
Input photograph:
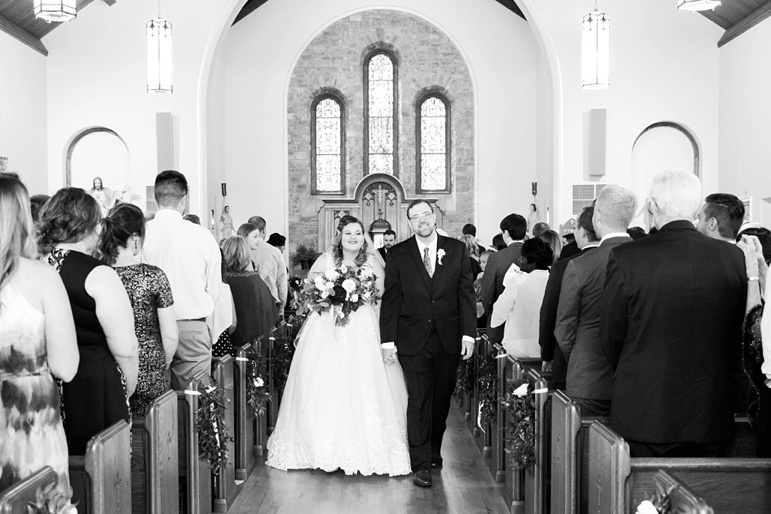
x,y
427,262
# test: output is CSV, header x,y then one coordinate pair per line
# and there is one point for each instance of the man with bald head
x,y
671,327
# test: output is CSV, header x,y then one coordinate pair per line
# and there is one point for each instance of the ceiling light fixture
x,y
595,50
159,55
55,10
697,5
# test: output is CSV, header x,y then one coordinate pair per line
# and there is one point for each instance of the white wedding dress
x,y
342,407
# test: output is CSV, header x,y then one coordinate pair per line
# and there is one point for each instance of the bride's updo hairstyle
x,y
69,217
337,248
123,221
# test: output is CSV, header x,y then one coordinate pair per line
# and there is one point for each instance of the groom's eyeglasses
x,y
422,216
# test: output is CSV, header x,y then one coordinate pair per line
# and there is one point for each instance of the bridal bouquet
x,y
342,290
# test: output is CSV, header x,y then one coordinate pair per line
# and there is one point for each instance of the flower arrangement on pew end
x,y
487,378
213,436
466,377
282,352
342,290
661,503
257,395
519,405
49,500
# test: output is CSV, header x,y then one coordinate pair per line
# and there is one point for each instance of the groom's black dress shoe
x,y
422,478
436,463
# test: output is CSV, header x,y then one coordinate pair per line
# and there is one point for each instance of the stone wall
x,y
426,58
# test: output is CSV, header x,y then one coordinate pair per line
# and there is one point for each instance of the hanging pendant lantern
x,y
697,5
159,56
55,10
595,47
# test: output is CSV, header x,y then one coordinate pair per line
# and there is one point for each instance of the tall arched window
x,y
381,141
433,143
328,152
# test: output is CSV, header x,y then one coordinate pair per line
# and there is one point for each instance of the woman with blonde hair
x,y
37,343
97,397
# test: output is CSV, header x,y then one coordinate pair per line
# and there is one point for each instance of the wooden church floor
x,y
464,485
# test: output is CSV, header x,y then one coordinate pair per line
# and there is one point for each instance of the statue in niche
x,y
105,197
226,223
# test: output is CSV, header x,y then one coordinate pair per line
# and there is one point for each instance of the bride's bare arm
x,y
319,266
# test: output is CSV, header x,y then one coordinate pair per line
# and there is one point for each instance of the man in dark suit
x,y
590,375
389,239
552,357
671,326
513,229
721,217
429,311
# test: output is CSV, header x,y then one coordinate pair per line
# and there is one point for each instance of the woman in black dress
x,y
256,311
107,375
150,293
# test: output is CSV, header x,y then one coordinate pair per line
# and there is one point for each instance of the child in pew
x,y
37,343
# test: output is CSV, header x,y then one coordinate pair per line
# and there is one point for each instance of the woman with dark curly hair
x,y
343,407
123,231
68,232
520,303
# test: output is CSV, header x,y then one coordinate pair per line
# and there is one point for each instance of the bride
x,y
343,407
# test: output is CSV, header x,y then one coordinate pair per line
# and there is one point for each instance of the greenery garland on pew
x,y
213,435
283,351
487,376
519,406
257,395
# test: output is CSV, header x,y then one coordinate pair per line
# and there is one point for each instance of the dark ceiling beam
x,y
110,2
22,35
247,9
513,7
749,21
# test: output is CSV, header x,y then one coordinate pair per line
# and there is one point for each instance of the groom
x,y
429,311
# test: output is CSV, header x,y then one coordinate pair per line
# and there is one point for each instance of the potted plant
x,y
304,256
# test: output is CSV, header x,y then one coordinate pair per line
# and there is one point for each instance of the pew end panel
x,y
15,499
566,425
198,496
536,501
244,416
608,468
161,424
224,483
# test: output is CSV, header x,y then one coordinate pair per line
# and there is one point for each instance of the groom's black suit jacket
x,y
414,304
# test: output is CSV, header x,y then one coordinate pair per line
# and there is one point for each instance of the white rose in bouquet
x,y
349,285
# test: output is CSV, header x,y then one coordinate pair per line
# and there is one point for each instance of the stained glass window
x,y
328,146
433,165
380,113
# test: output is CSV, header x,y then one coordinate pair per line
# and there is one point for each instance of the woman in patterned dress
x,y
155,325
37,343
98,395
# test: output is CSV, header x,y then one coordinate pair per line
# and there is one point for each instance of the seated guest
x,y
149,291
554,241
551,355
520,302
256,311
721,217
539,228
590,375
670,323
37,343
109,361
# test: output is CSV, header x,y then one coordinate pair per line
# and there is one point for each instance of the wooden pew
x,y
618,483
681,498
244,430
224,483
261,423
154,458
569,449
194,473
101,480
15,499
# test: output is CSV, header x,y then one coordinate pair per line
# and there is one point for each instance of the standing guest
x,y
551,355
569,245
554,241
255,309
278,241
389,239
721,217
192,218
481,316
428,313
590,375
670,326
149,291
539,228
270,264
109,361
470,230
498,243
513,229
518,305
36,204
189,256
37,343
473,253
764,236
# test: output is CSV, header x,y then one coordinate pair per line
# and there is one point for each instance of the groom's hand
x,y
468,348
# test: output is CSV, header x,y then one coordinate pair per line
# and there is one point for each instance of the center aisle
x,y
464,485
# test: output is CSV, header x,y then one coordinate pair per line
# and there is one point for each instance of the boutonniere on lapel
x,y
439,255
